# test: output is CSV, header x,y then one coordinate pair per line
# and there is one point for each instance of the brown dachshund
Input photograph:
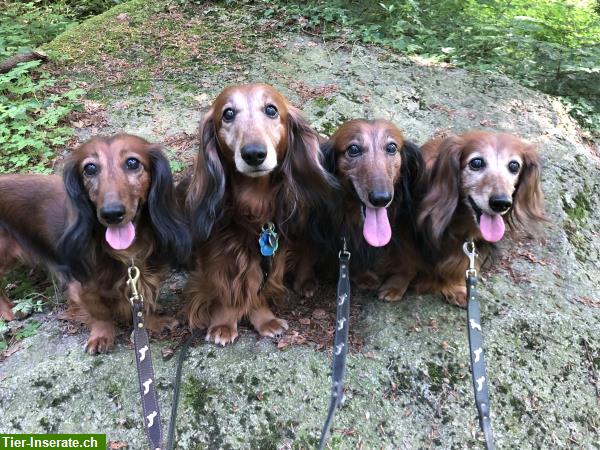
x,y
123,209
380,174
32,218
479,182
259,165
118,207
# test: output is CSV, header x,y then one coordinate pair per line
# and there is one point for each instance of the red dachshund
x,y
380,174
118,206
259,166
479,182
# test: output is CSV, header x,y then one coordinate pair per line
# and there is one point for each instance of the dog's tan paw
x,y
390,294
273,327
222,334
457,296
367,280
99,344
156,323
6,312
307,288
102,338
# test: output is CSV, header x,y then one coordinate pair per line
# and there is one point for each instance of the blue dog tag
x,y
268,240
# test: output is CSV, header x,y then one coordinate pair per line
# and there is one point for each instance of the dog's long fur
x,y
32,218
435,261
147,197
229,200
400,175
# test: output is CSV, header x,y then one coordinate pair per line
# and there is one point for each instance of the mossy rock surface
x,y
152,69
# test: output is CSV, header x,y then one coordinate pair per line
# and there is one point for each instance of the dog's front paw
x,y
393,289
367,280
102,338
306,288
390,293
272,328
156,323
457,296
6,312
222,334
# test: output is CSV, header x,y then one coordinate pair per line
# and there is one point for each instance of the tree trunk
x,y
12,62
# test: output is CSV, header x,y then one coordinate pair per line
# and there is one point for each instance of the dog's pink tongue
x,y
120,237
491,227
376,229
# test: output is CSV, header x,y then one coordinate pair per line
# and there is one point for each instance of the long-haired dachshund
x,y
259,164
32,218
479,182
380,174
122,210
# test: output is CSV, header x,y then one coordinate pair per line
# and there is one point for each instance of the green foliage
x,y
10,335
550,45
31,118
33,302
28,330
32,109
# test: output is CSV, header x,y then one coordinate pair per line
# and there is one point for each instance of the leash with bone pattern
x,y
475,333
340,342
143,360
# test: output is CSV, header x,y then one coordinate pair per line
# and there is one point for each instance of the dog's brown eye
x,y
132,164
476,164
391,148
353,150
90,170
271,111
228,115
514,166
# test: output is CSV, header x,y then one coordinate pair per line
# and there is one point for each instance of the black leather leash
x,y
340,342
176,388
143,360
478,371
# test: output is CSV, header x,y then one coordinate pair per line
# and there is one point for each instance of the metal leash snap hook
x,y
469,250
344,251
133,276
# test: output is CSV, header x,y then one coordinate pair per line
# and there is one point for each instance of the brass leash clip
x,y
133,276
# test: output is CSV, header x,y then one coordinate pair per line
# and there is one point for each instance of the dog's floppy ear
x,y
170,229
441,199
412,180
528,199
306,182
207,187
328,152
74,244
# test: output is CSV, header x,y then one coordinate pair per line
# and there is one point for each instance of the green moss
x,y
579,210
103,33
113,390
197,395
324,102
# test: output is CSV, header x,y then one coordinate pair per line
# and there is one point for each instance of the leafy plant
x,y
31,118
32,109
549,45
29,329
33,302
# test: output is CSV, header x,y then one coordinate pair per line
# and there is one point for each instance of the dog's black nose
x,y
500,203
113,213
378,198
254,154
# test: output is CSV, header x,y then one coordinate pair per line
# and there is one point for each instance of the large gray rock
x,y
408,382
